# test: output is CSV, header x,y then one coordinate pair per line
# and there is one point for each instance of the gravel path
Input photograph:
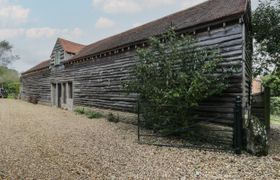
x,y
47,143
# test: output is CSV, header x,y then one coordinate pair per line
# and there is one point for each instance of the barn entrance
x,y
59,95
62,95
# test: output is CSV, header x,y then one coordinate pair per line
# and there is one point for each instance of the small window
x,y
57,58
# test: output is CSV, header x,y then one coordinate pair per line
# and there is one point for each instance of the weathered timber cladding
x,y
37,84
99,82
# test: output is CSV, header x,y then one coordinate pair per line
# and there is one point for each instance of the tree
x,y
8,76
6,55
266,28
172,76
273,82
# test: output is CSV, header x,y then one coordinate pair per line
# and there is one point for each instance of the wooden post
x,y
267,107
67,91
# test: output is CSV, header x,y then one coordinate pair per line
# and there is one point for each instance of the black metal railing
x,y
235,144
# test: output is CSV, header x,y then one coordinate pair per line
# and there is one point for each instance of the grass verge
x,y
90,114
275,119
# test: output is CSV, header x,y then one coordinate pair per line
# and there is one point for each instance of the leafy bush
x,y
112,118
172,76
80,110
275,106
12,89
93,115
273,82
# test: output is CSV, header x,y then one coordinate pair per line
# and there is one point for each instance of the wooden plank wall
x,y
37,84
261,107
99,83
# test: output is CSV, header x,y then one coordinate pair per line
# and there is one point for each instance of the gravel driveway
x,y
47,143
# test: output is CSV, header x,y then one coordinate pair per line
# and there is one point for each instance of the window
x,y
57,58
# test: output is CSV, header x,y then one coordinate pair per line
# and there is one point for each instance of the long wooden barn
x,y
78,75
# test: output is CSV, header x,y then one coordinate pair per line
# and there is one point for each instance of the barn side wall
x,y
99,83
37,85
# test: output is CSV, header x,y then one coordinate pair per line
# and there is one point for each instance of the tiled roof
x,y
70,46
209,11
42,65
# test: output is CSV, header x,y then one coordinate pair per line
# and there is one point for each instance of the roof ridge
x,y
41,65
205,12
59,38
150,22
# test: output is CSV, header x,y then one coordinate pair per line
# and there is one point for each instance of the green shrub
x,y
172,76
112,118
93,115
275,106
90,114
12,89
80,110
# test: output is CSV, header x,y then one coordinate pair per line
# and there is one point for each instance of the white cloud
x,y
191,3
118,6
12,14
36,33
129,6
8,33
77,32
104,22
41,32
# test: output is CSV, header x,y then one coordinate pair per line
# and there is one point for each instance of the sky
x,y
32,26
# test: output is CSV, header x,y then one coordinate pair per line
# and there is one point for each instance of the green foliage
x,y
93,115
172,76
80,110
9,79
90,114
112,118
275,106
8,75
275,119
12,89
266,28
273,82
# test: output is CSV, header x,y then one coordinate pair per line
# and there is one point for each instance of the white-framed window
x,y
57,58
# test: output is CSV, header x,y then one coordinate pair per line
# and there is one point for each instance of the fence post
x,y
237,133
138,119
267,108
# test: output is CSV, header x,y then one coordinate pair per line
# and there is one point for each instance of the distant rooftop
x,y
38,67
